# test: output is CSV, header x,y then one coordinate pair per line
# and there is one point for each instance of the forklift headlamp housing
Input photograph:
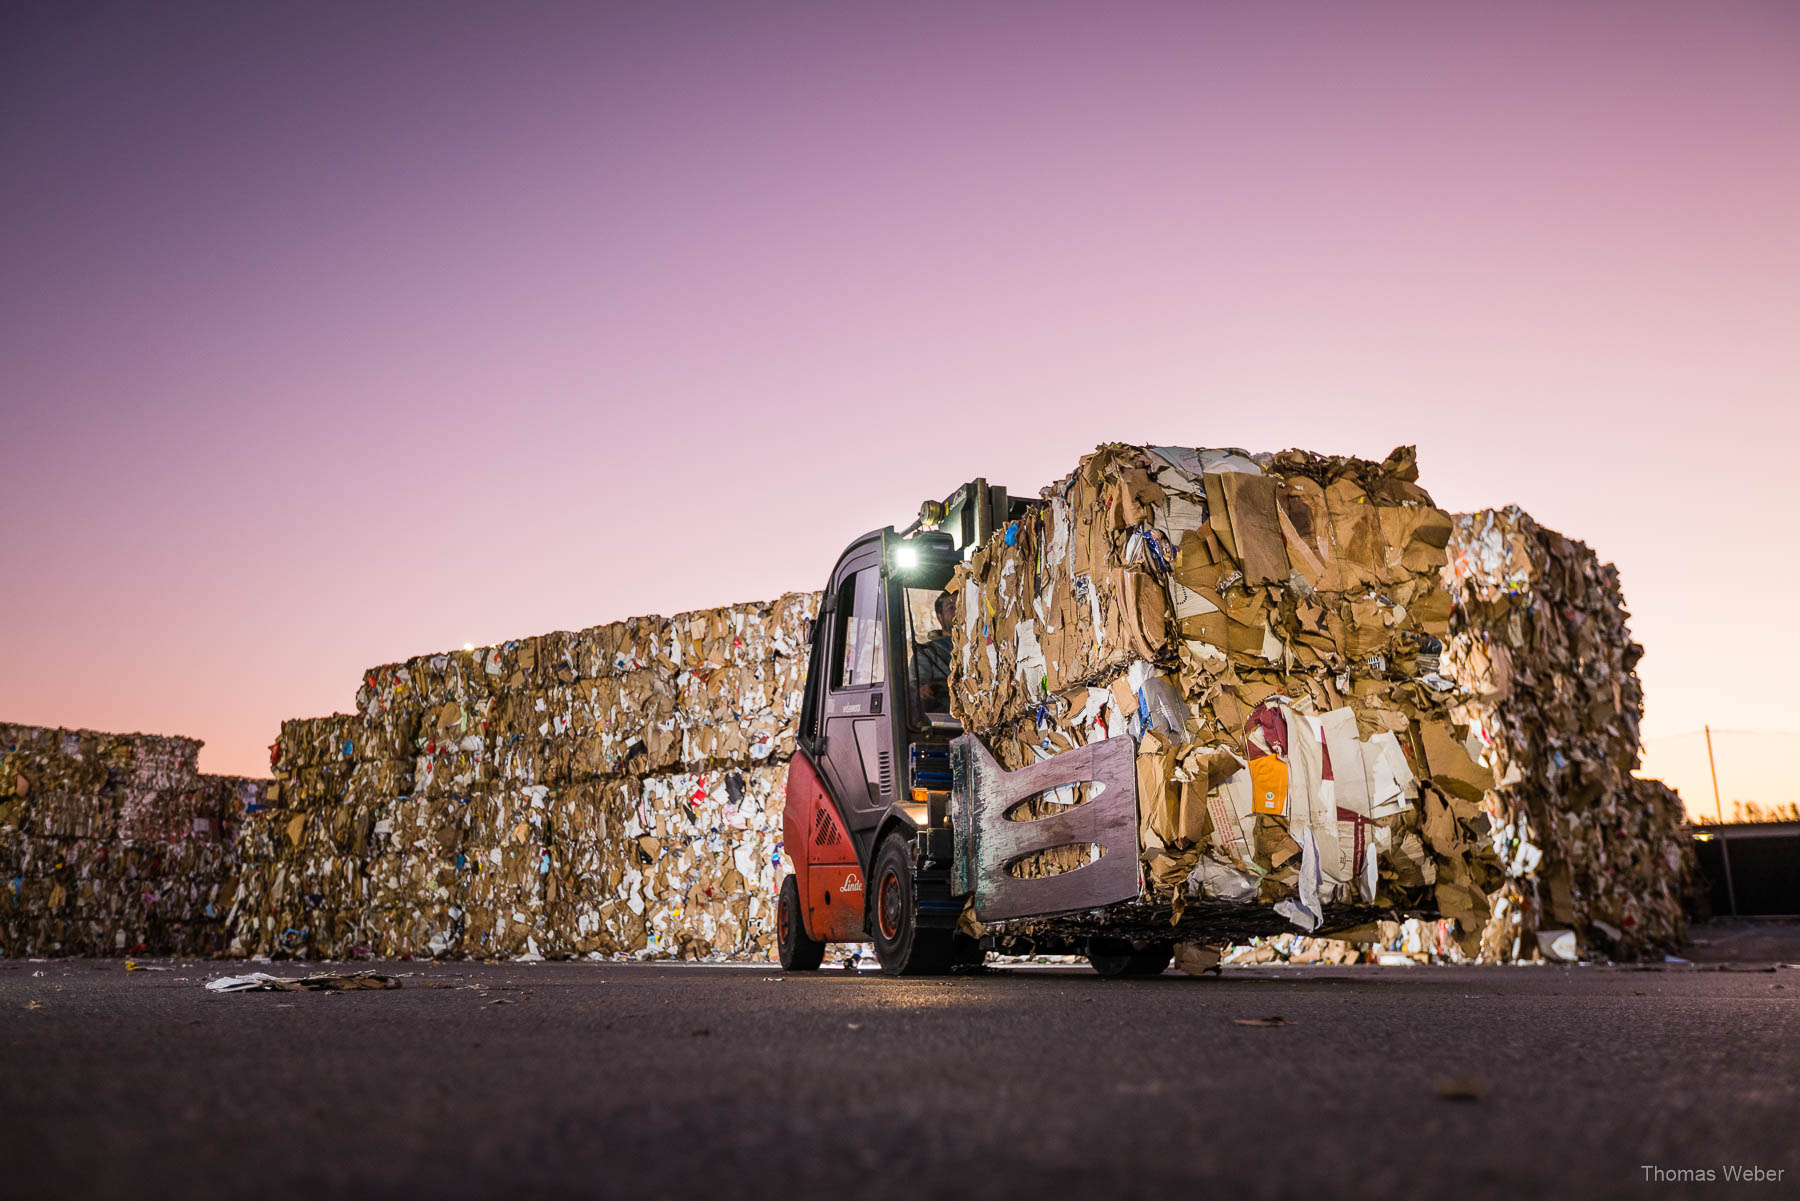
x,y
924,549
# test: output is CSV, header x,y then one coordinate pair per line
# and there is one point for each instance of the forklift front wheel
x,y
902,947
798,951
1118,957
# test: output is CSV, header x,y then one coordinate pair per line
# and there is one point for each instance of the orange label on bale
x,y
1268,785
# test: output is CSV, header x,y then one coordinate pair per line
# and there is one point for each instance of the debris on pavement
x,y
1460,1088
317,982
1197,960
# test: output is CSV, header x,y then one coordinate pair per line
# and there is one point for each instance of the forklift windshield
x,y
928,615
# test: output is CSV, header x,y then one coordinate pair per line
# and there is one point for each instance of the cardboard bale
x,y
114,843
615,790
1541,643
1268,630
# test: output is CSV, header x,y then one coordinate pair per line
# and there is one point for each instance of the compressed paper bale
x,y
114,843
1542,644
527,762
1267,607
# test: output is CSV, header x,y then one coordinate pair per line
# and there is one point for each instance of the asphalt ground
x,y
640,1080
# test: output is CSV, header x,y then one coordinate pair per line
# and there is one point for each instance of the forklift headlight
x,y
906,557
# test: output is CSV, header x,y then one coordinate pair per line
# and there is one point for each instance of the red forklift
x,y
895,819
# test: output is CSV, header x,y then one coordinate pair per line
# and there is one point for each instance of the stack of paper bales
x,y
1597,859
314,860
1351,714
1348,709
114,843
612,790
1269,629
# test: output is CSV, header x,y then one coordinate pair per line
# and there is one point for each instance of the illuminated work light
x,y
906,557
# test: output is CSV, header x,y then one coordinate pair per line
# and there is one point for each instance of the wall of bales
x,y
114,844
1542,645
617,790
613,790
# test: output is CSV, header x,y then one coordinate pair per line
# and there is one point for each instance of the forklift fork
x,y
988,843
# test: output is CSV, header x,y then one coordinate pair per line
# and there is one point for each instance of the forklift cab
x,y
876,715
866,821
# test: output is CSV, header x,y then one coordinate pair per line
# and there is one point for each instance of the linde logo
x,y
852,883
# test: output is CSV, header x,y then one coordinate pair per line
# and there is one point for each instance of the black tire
x,y
902,947
1116,957
799,952
1153,959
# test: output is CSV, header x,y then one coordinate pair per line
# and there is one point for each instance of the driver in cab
x,y
932,658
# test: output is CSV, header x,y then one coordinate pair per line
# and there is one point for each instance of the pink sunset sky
x,y
333,334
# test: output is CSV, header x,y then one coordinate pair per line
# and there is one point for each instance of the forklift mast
x,y
970,514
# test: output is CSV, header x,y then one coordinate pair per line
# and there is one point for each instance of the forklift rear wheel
x,y
799,952
1118,957
902,947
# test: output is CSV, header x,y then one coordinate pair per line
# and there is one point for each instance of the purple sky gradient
x,y
331,334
